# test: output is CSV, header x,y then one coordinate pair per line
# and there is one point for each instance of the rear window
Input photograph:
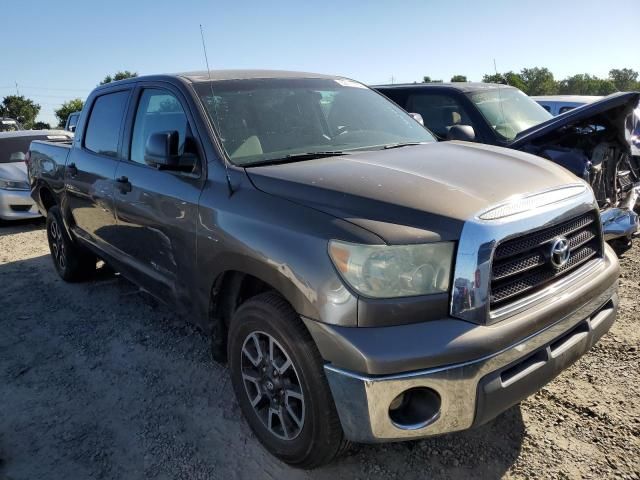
x,y
103,128
14,149
439,112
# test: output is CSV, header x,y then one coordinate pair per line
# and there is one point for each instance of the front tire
x,y
72,262
278,378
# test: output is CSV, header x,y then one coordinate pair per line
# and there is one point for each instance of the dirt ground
x,y
99,381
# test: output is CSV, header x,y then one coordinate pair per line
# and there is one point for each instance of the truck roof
x,y
459,86
216,75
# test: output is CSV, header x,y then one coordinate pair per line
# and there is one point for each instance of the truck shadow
x,y
485,452
122,372
21,226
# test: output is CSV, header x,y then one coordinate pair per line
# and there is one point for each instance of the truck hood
x,y
614,109
14,171
413,194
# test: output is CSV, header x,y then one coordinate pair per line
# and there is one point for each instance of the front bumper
x,y
17,205
474,381
471,393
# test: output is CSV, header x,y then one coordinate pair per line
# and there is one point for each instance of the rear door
x,y
157,209
91,167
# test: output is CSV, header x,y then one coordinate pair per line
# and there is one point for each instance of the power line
x,y
38,95
48,88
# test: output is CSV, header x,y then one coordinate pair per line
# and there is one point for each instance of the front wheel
x,y
72,262
278,378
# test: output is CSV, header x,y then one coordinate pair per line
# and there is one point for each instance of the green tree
x,y
67,109
426,79
121,75
493,78
508,78
21,108
606,86
538,81
624,79
585,84
41,126
459,78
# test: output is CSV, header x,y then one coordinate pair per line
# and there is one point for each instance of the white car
x,y
559,104
15,192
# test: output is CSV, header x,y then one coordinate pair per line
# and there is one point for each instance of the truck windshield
x,y
262,120
509,111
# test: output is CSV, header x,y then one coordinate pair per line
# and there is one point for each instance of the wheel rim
x,y
272,385
57,244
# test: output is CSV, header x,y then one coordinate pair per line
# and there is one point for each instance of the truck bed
x,y
46,166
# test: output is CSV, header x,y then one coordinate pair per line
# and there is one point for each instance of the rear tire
x,y
72,262
278,378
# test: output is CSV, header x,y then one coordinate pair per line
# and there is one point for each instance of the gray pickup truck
x,y
364,282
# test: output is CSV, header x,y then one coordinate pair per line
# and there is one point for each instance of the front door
x,y
157,210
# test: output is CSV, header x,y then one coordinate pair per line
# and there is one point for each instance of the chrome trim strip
x,y
479,238
363,401
524,203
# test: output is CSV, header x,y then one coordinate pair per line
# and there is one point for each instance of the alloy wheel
x,y
272,385
57,244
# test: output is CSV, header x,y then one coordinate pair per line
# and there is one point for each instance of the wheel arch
x,y
231,288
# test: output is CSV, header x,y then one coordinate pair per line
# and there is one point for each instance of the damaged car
x,y
590,141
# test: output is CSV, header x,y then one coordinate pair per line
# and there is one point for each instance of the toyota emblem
x,y
560,252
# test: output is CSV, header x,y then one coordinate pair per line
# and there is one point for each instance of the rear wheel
x,y
72,262
278,378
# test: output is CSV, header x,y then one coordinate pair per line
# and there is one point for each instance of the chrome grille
x,y
522,265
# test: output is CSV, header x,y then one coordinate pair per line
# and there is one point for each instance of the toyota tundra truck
x,y
364,282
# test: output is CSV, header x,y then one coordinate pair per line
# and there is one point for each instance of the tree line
x,y
26,110
540,81
532,81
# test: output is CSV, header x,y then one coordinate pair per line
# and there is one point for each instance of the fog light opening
x,y
415,408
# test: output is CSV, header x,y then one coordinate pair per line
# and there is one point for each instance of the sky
x,y
62,50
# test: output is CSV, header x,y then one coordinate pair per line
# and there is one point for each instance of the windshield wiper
x,y
403,144
294,157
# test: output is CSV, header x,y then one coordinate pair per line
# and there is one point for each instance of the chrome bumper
x,y
14,203
363,401
621,222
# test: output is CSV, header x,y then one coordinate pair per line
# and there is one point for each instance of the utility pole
x,y
393,79
17,91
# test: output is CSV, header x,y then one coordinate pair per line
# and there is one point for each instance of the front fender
x,y
279,242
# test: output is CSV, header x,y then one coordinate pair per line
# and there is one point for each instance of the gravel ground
x,y
99,381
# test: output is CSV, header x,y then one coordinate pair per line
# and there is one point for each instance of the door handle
x,y
124,185
72,169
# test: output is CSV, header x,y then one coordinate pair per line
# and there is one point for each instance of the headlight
x,y
384,271
13,185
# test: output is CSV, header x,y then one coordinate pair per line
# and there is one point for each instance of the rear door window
x,y
105,121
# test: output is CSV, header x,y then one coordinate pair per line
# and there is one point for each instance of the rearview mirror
x,y
161,150
461,132
417,117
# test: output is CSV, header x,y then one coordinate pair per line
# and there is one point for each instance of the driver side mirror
x,y
162,150
72,128
461,132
